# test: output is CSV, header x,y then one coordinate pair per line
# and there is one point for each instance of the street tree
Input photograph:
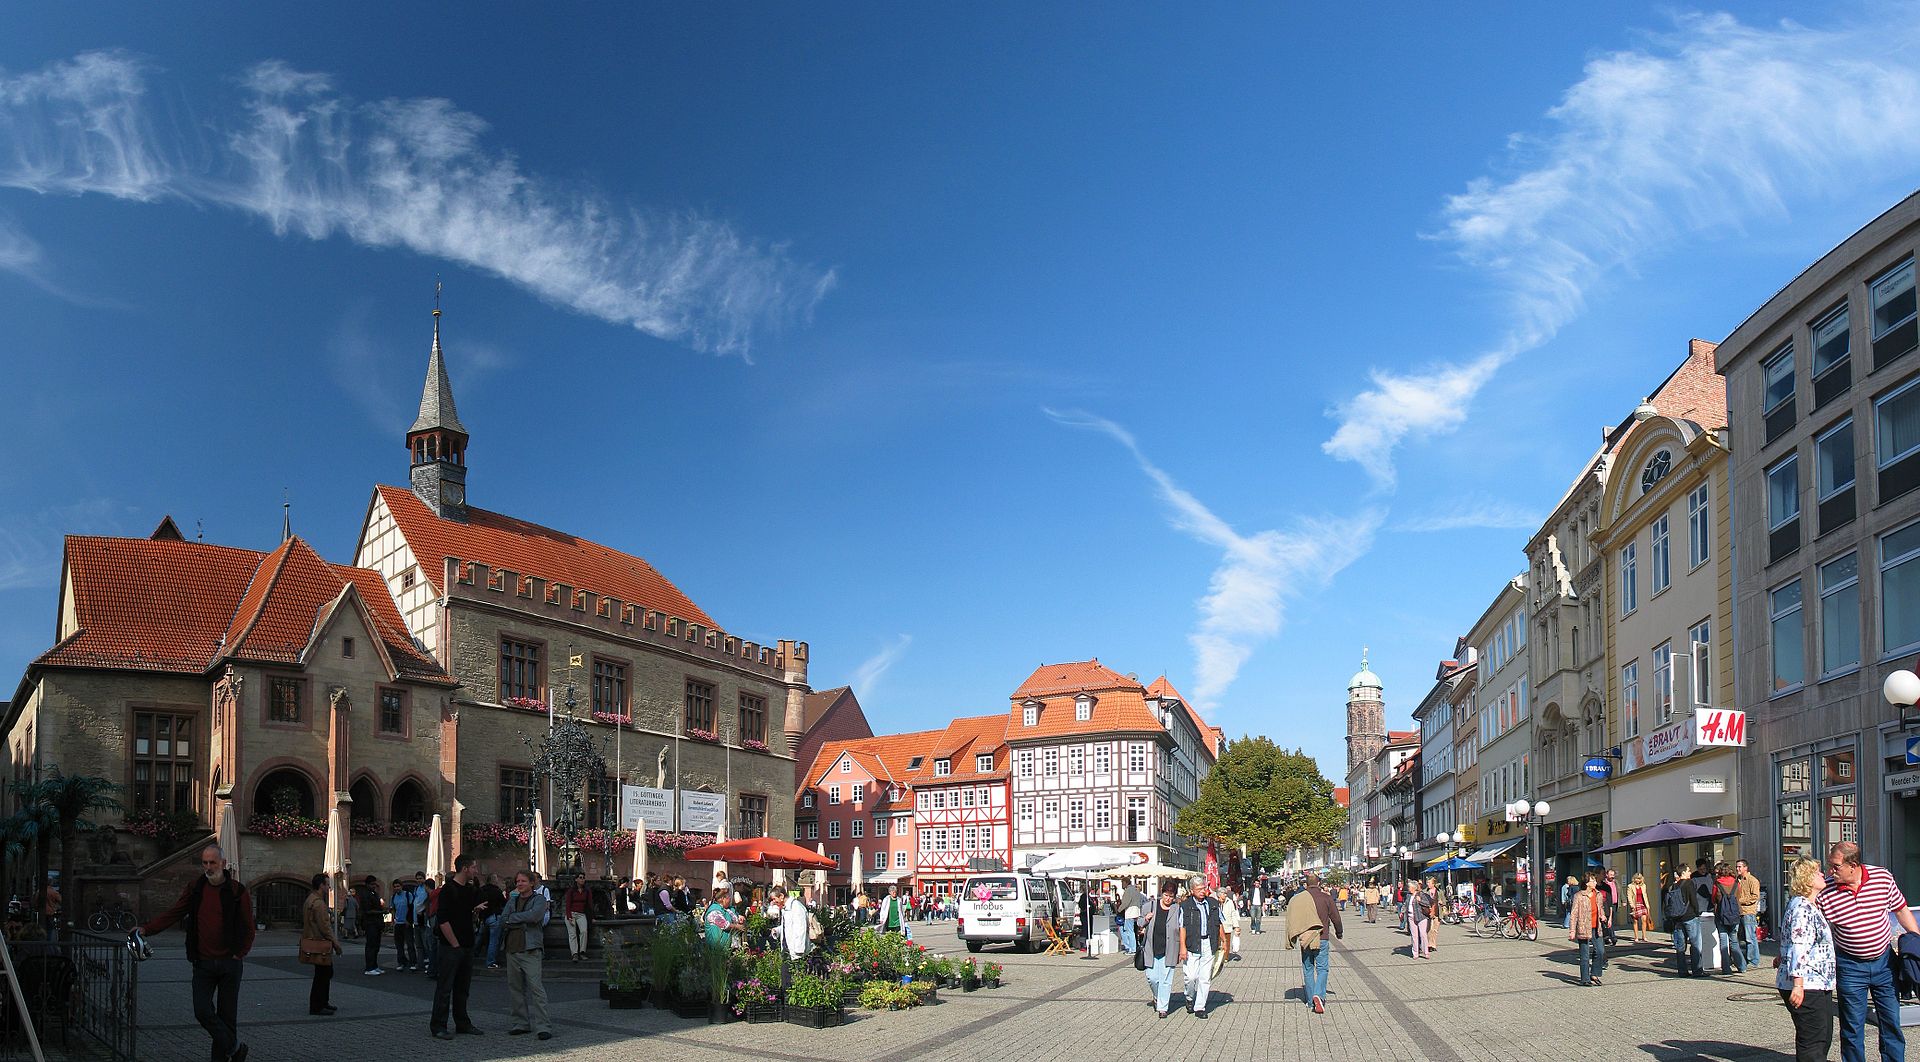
x,y
1266,798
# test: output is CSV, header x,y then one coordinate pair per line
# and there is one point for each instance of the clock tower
x,y
437,440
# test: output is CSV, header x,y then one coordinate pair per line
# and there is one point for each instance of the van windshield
x,y
1002,887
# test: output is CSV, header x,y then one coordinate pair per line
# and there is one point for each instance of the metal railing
x,y
83,983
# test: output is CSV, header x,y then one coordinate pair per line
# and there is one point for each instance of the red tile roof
x,y
169,605
884,757
1208,734
530,549
1120,709
1341,796
1073,677
1401,737
960,743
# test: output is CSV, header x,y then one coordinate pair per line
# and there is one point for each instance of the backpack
x,y
1726,908
1675,904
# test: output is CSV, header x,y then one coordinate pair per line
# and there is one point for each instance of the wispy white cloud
x,y
1704,126
866,677
1476,511
31,543
1247,595
411,174
19,252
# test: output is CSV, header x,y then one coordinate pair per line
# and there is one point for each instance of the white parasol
x,y
334,862
859,874
639,852
436,851
229,835
537,846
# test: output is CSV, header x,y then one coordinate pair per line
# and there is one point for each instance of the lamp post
x,y
566,758
1902,690
1451,844
1530,815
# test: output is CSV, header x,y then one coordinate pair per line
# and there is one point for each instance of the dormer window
x,y
942,768
806,799
1083,707
983,764
914,764
1030,713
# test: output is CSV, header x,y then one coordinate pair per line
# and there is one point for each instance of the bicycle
x,y
1520,922
114,916
1455,913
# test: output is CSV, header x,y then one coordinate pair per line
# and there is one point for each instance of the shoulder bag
x,y
316,951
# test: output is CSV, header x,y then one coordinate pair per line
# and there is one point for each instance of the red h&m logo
x,y
1719,726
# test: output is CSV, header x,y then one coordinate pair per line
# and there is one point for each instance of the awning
x,y
891,877
1427,855
1495,850
1375,869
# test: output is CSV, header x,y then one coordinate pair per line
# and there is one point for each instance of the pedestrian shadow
x,y
1688,1050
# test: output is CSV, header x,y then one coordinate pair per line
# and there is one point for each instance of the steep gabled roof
x,y
1208,734
1120,709
169,605
963,740
530,549
1072,677
884,757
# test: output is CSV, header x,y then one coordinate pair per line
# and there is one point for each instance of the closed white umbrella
x,y
229,834
639,852
720,865
436,851
537,845
820,876
780,877
859,871
334,862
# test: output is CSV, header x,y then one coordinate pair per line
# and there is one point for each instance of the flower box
x,y
721,1014
762,1012
696,734
754,746
613,717
527,704
626,998
697,1009
815,1017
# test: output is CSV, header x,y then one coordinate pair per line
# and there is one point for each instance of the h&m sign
x,y
1719,727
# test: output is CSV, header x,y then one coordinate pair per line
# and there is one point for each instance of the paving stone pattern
x,y
1473,1001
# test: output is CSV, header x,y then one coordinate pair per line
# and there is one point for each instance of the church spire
x,y
437,440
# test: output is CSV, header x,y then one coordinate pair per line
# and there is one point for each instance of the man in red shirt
x,y
217,914
1856,906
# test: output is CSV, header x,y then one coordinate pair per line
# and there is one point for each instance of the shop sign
x,y
1723,727
1707,784
639,802
1597,767
1913,752
1658,746
1902,780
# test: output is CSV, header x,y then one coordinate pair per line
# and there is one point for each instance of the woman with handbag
x,y
318,946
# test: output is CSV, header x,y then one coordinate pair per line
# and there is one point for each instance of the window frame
x,y
1782,353
404,732
538,667
1699,526
1629,579
1663,698
1660,554
1883,461
506,808
1885,565
1875,331
1630,698
1840,586
983,763
1820,491
617,679
1774,615
1814,369
1791,458
302,686
688,698
177,715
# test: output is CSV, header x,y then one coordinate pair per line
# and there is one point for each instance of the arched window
x,y
278,903
410,802
285,791
366,800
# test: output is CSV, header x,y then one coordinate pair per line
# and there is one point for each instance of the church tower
x,y
437,440
1366,716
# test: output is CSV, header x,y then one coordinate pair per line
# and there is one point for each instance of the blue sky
x,y
1216,341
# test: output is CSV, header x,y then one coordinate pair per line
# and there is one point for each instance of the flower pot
x,y
993,982
721,1014
625,998
815,1017
969,986
603,990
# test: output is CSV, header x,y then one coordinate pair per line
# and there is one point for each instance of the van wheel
x,y
1035,947
974,945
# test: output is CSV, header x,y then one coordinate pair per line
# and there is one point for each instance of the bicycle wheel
x,y
1510,929
1533,929
98,922
125,921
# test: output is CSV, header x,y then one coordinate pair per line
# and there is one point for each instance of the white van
x,y
1008,908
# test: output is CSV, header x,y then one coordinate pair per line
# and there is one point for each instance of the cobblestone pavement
x,y
1475,1000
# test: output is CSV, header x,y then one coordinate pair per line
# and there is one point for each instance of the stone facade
x,y
1824,596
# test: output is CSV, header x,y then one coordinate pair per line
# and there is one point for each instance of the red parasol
x,y
768,852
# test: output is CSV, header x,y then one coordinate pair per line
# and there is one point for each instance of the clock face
x,y
1657,468
456,494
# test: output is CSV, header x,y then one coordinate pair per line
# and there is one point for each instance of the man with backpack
x,y
1676,906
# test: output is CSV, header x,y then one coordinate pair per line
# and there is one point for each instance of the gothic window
x,y
753,717
520,670
162,762
283,701
699,701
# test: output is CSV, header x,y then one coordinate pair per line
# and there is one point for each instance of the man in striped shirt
x,y
1857,904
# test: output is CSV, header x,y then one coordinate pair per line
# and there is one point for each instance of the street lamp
x,y
567,759
1531,815
1902,690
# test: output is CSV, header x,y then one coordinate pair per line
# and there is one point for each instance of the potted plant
x,y
970,974
990,973
926,992
814,1001
757,1000
626,988
692,992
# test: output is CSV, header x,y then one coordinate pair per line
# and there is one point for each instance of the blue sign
x,y
1601,767
1913,752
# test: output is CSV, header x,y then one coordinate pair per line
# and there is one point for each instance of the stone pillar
x,y
793,672
339,737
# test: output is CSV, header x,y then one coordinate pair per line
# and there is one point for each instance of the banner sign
x,y
1658,746
702,812
1719,727
1597,767
645,802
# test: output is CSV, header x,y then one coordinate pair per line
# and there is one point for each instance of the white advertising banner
x,y
639,802
702,812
